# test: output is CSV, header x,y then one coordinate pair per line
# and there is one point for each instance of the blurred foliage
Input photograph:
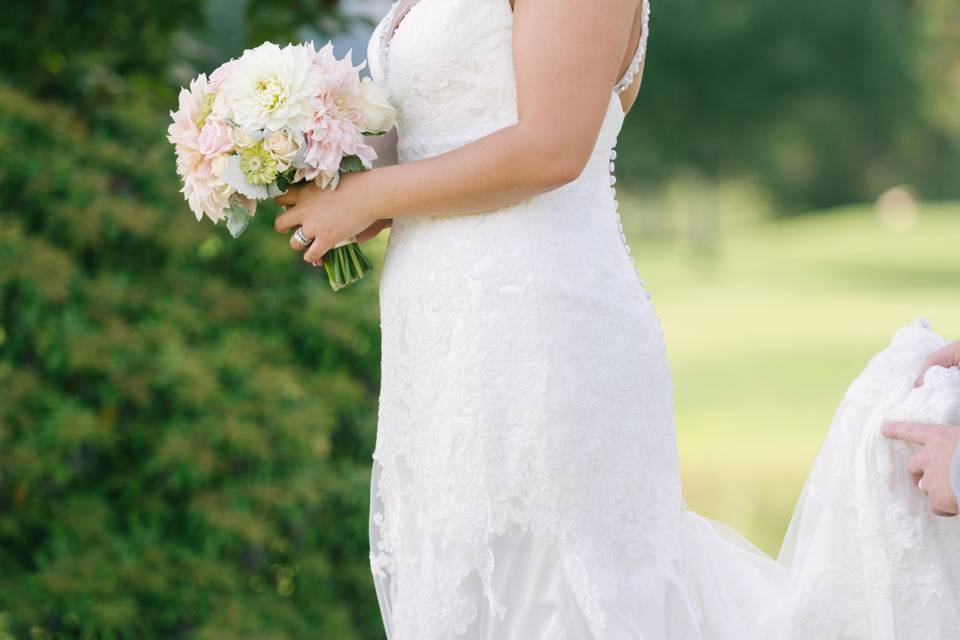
x,y
68,49
186,420
763,344
820,102
91,52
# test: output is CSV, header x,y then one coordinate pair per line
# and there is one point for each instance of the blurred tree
x,y
88,52
936,152
818,101
98,49
186,420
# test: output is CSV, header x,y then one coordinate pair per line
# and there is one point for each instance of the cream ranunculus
x,y
379,114
242,138
284,145
219,166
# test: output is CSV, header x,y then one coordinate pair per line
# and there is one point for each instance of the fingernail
x,y
918,382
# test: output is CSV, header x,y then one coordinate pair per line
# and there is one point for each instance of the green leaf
x,y
351,164
238,219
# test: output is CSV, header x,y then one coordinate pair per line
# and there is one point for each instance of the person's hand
x,y
946,356
930,467
325,217
374,229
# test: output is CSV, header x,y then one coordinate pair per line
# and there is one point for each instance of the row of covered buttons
x,y
623,236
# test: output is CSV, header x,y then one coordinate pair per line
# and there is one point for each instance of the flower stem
x,y
345,265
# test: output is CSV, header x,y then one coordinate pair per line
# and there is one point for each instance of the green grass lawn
x,y
766,332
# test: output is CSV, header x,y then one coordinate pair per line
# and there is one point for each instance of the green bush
x,y
186,420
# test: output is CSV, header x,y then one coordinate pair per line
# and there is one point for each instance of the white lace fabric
x,y
867,558
525,477
509,411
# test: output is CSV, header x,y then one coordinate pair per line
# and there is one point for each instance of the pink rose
x,y
218,76
215,138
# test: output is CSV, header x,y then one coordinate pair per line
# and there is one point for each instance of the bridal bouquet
x,y
275,117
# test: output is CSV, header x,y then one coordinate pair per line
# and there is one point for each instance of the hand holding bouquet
x,y
275,117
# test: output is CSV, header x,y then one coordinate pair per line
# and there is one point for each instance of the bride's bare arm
x,y
567,54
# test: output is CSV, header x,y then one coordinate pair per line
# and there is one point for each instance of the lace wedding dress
x,y
525,479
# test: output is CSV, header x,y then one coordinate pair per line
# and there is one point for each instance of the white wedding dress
x,y
525,481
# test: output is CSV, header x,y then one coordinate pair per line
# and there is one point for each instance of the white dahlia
x,y
272,88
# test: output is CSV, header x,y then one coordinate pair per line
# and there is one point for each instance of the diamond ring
x,y
302,239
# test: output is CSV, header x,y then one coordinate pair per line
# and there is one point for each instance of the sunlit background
x,y
186,420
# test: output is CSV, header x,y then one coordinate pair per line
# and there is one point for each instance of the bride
x,y
525,477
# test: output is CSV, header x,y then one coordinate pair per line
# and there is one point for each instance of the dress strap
x,y
397,13
383,34
631,73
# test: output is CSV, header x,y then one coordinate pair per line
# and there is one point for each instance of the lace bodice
x,y
398,10
462,85
448,65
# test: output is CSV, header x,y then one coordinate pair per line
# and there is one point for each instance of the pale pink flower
x,y
184,128
328,141
338,124
220,74
196,150
215,138
202,188
341,93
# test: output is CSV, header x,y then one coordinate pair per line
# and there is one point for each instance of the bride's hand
x,y
374,229
326,216
947,356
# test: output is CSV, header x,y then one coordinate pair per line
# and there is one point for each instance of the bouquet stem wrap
x,y
345,264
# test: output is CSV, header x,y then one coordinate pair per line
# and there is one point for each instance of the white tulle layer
x,y
867,558
863,558
725,589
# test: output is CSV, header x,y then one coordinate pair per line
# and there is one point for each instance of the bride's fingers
x,y
316,251
290,219
295,243
289,198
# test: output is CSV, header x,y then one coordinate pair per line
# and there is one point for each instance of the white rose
x,y
219,166
379,113
220,109
284,145
243,138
